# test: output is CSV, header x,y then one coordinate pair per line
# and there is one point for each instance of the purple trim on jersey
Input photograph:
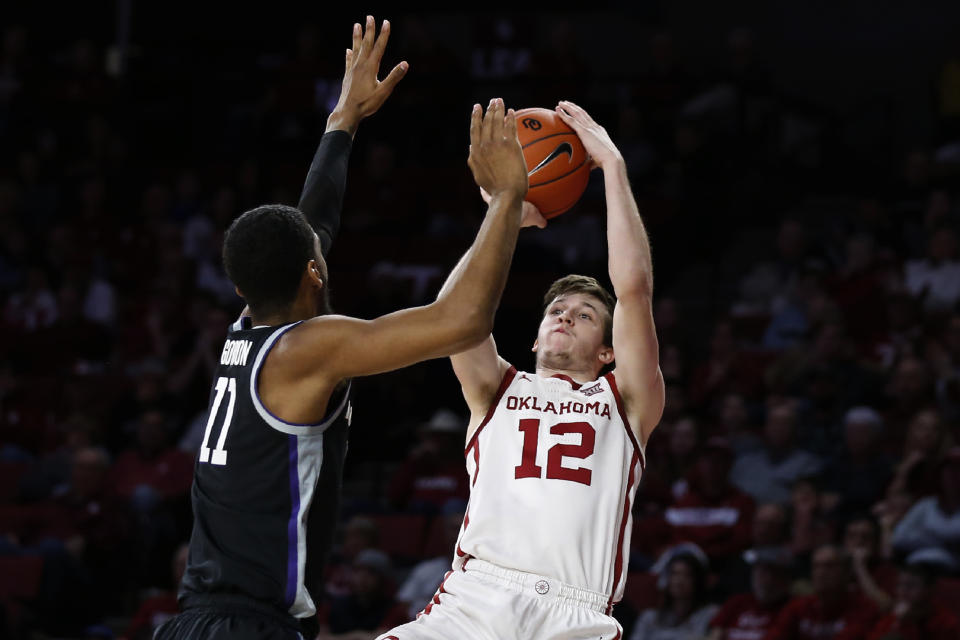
x,y
256,384
292,524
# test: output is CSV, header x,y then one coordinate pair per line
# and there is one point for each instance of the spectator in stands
x,y
368,604
768,474
160,607
947,367
857,476
934,522
154,478
917,615
924,444
713,514
152,470
685,612
735,424
433,471
771,528
359,534
936,278
812,525
832,611
426,576
748,616
875,577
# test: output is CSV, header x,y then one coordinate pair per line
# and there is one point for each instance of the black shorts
x,y
234,620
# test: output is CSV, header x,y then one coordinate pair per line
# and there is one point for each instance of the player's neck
x,y
579,375
299,310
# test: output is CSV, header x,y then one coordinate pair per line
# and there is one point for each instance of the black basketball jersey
x,y
265,492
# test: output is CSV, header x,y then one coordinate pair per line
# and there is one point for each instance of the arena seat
x,y
402,535
19,582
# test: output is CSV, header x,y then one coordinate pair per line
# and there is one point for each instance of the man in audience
x,y
769,473
748,616
917,615
832,611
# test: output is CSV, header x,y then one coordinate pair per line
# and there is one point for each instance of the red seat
x,y
19,581
641,590
402,536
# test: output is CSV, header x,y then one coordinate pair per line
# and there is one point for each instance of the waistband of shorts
x,y
539,586
234,604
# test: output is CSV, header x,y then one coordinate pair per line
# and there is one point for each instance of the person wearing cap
x,y
934,522
748,616
433,473
685,612
369,603
917,615
713,514
832,611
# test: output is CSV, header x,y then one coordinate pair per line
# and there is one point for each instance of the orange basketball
x,y
556,161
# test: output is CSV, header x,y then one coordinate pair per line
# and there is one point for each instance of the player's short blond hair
x,y
584,284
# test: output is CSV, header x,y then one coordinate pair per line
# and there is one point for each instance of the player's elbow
x,y
478,324
466,325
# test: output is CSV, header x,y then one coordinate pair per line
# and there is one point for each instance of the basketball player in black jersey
x,y
267,477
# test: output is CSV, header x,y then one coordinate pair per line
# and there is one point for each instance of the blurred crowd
x,y
804,481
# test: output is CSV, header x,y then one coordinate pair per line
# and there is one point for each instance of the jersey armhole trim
x,y
611,378
507,380
290,428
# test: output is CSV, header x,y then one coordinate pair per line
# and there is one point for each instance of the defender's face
x,y
571,333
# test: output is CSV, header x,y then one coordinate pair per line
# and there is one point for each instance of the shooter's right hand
x,y
496,159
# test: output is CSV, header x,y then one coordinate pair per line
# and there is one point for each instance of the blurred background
x,y
798,169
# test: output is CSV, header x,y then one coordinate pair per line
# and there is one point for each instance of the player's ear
x,y
536,345
606,355
313,274
239,293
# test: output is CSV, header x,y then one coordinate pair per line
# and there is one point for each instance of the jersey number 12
x,y
219,454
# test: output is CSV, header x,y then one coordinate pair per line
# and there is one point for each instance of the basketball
x,y
556,161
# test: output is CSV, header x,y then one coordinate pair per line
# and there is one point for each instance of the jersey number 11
x,y
219,453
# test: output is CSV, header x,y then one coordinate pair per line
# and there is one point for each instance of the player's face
x,y
571,334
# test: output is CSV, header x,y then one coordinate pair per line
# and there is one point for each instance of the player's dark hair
x,y
590,286
265,251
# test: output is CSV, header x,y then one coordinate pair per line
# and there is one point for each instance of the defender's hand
x,y
531,215
603,153
361,94
496,159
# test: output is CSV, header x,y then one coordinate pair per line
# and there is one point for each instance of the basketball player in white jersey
x,y
555,456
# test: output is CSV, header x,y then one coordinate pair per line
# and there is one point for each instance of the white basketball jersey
x,y
553,471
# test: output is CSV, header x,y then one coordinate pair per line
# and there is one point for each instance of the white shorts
x,y
486,601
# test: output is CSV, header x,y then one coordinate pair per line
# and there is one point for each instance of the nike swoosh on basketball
x,y
563,147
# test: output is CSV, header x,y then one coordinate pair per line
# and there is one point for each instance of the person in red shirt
x,y
916,616
748,616
433,473
152,468
832,611
713,514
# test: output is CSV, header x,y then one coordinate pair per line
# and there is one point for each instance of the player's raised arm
x,y
480,369
631,273
463,314
361,95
